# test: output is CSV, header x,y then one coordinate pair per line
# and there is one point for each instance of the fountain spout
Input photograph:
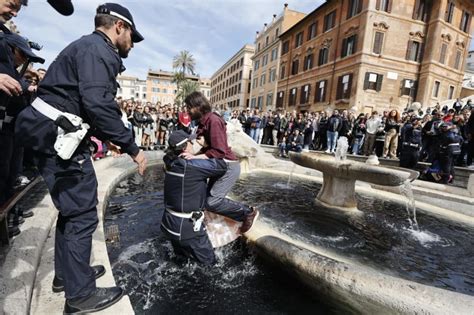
x,y
339,177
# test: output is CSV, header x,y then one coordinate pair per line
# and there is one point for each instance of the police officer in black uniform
x,y
16,52
448,150
411,143
185,195
77,92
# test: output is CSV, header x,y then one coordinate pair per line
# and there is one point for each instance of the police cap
x,y
179,137
122,13
21,43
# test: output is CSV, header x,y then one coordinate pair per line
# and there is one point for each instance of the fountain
x,y
340,176
367,263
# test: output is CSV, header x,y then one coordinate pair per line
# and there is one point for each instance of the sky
x,y
211,30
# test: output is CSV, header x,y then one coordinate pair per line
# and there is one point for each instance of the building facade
x,y
230,85
132,88
375,54
267,58
161,88
205,87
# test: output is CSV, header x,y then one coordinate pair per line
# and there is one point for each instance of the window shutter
x,y
344,48
421,52
377,6
446,13
323,97
415,10
354,49
379,82
389,6
359,6
409,48
366,81
339,88
402,87
350,86
414,90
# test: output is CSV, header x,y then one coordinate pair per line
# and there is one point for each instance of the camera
x,y
34,45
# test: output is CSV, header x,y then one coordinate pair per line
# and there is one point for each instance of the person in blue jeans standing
x,y
333,128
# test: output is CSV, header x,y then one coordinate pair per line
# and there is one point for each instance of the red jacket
x,y
213,128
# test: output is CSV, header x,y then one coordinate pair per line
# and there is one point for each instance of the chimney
x,y
264,27
274,18
256,35
285,6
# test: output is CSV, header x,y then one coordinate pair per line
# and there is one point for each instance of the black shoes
x,y
13,231
249,220
98,300
58,285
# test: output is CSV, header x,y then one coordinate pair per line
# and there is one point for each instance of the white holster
x,y
67,141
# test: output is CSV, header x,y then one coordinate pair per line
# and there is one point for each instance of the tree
x,y
187,87
184,64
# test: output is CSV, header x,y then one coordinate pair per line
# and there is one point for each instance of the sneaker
x,y
328,151
249,220
100,299
27,213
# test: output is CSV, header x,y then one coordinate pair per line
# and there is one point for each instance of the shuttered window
x,y
465,22
312,30
321,87
378,42
414,51
329,21
373,81
294,66
354,8
449,12
442,54
344,86
280,98
349,46
308,62
323,56
384,5
457,61
305,93
292,96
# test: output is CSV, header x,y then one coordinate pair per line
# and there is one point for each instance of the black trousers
x,y
409,157
73,188
198,248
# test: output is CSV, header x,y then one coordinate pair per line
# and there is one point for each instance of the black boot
x,y
13,231
98,300
28,213
58,284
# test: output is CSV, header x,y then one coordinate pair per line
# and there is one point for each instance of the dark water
x,y
143,263
439,254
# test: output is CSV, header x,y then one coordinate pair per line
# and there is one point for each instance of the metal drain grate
x,y
112,234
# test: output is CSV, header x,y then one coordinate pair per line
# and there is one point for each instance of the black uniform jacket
x,y
186,191
81,81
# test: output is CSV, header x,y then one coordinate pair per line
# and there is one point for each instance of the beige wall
x,y
234,74
399,28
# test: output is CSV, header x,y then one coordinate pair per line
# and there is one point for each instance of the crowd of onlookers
x,y
443,136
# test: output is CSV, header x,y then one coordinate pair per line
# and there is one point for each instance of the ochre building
x,y
375,54
230,85
267,59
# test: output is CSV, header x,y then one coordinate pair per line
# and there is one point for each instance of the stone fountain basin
x,y
353,170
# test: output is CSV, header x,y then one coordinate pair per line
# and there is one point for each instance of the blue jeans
x,y
332,138
356,145
254,134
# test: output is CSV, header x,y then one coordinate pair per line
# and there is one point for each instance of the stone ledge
x,y
28,269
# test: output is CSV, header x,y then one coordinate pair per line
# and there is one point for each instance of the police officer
x,y
448,150
78,92
411,143
185,196
15,53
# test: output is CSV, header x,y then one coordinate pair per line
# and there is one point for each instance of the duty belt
x,y
414,145
196,216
